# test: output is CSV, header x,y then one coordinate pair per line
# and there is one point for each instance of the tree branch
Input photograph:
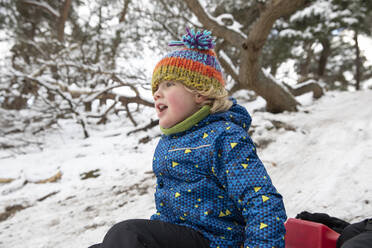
x,y
220,31
150,125
259,32
130,115
44,6
60,93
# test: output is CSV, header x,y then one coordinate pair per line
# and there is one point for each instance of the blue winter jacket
x,y
210,178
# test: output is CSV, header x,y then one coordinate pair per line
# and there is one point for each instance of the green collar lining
x,y
188,122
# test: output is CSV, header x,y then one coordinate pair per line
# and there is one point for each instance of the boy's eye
x,y
169,84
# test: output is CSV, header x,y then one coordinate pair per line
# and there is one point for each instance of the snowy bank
x,y
319,159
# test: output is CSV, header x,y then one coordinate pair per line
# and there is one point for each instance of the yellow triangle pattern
x,y
256,189
174,164
265,198
187,151
262,225
177,194
205,135
221,214
233,145
245,166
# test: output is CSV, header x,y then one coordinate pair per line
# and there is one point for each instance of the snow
x,y
235,27
322,164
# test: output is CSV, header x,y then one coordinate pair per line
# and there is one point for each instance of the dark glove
x,y
332,222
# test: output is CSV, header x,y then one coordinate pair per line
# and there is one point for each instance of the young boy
x,y
212,189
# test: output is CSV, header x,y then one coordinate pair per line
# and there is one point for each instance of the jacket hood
x,y
236,114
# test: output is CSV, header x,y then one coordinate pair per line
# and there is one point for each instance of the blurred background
x,y
90,59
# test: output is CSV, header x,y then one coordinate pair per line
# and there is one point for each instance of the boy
x,y
212,189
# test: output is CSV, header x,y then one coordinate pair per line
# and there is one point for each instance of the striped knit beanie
x,y
194,65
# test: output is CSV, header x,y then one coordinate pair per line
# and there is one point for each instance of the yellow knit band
x,y
187,77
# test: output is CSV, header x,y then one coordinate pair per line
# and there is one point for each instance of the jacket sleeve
x,y
247,183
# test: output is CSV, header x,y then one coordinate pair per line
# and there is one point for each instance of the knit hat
x,y
195,65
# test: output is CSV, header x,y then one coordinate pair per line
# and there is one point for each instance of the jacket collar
x,y
188,122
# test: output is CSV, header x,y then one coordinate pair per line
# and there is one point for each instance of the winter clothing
x,y
155,234
188,122
212,189
209,178
357,235
196,65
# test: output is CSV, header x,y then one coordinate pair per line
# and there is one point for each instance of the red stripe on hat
x,y
191,65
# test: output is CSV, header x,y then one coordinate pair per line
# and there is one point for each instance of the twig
x,y
150,125
130,115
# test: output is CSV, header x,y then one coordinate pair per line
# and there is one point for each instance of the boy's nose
x,y
157,94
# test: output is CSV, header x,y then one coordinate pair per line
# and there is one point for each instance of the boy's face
x,y
173,103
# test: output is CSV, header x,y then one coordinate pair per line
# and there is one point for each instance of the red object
x,y
308,234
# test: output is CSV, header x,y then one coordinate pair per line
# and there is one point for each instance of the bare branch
x,y
104,115
228,66
130,115
310,86
44,6
220,31
272,11
60,93
150,125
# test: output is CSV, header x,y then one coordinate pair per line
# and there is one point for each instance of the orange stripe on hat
x,y
191,65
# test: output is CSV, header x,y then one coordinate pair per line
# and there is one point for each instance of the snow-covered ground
x,y
320,160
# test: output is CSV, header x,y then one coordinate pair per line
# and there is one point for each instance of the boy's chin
x,y
166,125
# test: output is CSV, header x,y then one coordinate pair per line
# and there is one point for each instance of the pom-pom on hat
x,y
195,65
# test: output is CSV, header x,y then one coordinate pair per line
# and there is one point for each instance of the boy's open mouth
x,y
161,107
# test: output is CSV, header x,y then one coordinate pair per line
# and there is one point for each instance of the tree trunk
x,y
324,56
117,39
124,12
357,61
62,19
88,106
277,98
304,67
250,73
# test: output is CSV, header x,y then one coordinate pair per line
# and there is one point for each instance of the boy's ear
x,y
200,98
